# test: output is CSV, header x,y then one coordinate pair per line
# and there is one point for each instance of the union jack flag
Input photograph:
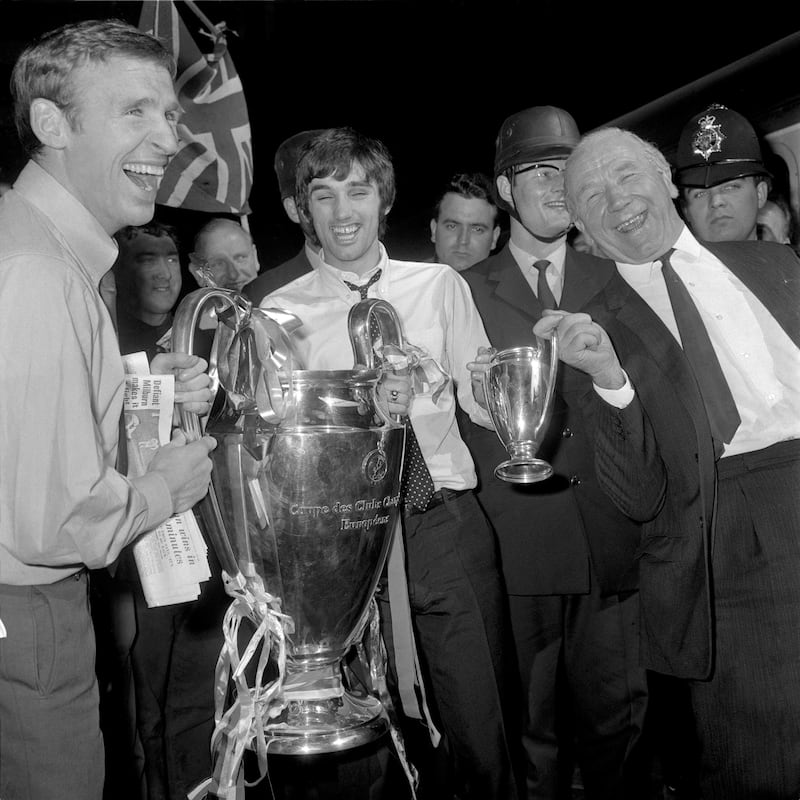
x,y
213,169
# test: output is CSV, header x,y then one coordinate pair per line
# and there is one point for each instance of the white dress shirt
x,y
758,359
437,313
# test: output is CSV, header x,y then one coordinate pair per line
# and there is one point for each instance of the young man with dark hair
x,y
464,225
345,189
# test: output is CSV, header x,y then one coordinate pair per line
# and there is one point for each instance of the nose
x,y
616,197
464,235
716,198
165,136
163,271
343,207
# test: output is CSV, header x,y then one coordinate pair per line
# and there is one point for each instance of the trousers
x,y
50,741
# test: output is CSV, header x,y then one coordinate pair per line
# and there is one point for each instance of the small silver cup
x,y
519,386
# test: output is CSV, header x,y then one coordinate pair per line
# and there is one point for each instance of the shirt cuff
x,y
619,398
156,493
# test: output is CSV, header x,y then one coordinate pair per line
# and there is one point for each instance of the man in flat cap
x,y
721,176
286,158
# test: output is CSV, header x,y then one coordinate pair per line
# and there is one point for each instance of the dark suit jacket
x,y
276,277
548,531
656,457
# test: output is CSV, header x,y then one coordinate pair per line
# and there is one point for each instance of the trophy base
x,y
326,726
528,471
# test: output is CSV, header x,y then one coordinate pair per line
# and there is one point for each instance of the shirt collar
x,y
524,259
686,245
82,233
334,274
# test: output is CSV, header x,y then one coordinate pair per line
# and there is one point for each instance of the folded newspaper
x,y
172,560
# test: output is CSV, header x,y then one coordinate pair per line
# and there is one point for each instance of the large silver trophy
x,y
519,386
301,511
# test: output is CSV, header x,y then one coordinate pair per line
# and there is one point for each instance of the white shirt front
x,y
760,362
437,314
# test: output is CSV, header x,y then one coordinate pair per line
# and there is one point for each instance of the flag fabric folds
x,y
213,169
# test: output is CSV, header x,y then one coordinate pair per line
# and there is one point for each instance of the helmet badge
x,y
709,137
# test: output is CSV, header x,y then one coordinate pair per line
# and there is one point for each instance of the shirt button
x,y
574,480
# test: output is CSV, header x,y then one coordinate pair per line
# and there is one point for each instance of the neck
x,y
361,265
531,244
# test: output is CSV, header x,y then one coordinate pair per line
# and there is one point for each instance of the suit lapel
x,y
643,324
511,286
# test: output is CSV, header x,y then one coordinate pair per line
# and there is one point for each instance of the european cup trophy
x,y
518,386
302,507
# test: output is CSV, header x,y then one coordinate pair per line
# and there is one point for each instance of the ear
x,y
290,207
195,273
762,190
671,187
255,259
433,231
386,211
495,236
49,123
504,189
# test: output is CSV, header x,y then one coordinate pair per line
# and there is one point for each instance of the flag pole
x,y
202,17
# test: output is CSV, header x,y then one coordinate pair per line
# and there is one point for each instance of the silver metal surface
x,y
519,387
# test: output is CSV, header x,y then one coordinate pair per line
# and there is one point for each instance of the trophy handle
x,y
362,321
187,315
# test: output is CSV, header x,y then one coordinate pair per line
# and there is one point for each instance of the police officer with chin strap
x,y
568,555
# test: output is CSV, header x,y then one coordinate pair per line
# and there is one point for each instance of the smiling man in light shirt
x,y
96,112
711,472
345,189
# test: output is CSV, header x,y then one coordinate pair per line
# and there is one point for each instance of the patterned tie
x,y
364,288
720,406
417,486
543,290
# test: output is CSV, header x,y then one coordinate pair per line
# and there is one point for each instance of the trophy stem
x,y
322,716
523,466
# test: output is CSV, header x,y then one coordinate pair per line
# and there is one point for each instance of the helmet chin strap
x,y
515,214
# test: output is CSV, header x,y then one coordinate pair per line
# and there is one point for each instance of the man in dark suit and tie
x,y
710,468
568,554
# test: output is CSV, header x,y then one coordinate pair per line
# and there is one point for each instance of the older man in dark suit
x,y
567,551
704,451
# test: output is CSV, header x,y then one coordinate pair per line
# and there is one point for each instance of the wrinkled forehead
x,y
600,159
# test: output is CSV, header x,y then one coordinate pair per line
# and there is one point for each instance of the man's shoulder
x,y
484,270
276,277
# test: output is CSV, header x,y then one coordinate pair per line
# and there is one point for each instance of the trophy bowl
x,y
310,507
303,504
518,387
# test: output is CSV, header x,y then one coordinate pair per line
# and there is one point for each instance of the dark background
x,y
434,80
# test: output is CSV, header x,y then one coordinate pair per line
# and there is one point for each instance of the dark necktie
x,y
417,485
364,288
543,290
723,417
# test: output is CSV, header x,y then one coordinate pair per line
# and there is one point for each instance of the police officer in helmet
x,y
721,176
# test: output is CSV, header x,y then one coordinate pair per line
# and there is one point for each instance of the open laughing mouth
x,y
345,234
632,224
146,176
